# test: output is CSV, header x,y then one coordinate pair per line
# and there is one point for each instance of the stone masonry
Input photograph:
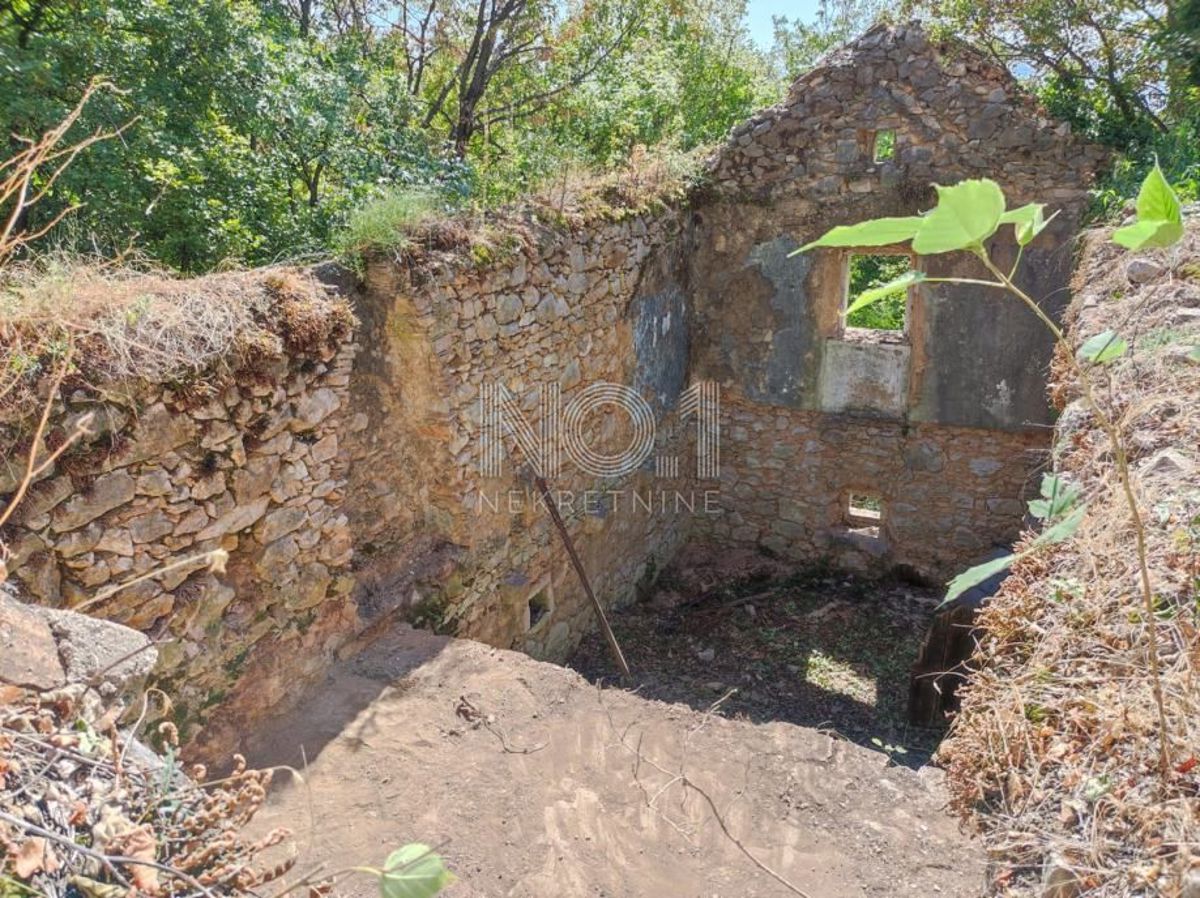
x,y
347,479
946,423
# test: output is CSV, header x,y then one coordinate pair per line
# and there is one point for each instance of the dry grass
x,y
126,324
1055,752
650,178
84,810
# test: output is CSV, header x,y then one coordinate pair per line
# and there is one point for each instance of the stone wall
x,y
345,481
564,308
349,475
965,377
244,457
948,493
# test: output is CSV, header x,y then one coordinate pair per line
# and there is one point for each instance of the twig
x,y
682,778
470,712
214,557
32,468
107,860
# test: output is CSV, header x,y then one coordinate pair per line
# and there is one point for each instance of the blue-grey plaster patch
x,y
780,375
662,343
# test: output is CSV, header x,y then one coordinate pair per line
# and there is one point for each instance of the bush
x,y
1177,152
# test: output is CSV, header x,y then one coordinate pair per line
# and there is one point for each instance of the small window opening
x,y
867,272
540,606
864,513
885,145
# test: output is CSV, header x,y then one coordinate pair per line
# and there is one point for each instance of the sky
x,y
761,11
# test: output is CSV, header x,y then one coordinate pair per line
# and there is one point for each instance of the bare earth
x,y
535,783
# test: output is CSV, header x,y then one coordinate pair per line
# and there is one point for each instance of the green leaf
x,y
1160,217
966,214
414,872
1103,348
971,577
867,297
1149,234
1156,200
1064,529
1029,221
1194,355
877,232
1058,497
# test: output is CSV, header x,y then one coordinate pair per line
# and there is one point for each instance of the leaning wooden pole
x,y
613,645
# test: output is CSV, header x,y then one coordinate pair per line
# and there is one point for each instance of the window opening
x,y
868,271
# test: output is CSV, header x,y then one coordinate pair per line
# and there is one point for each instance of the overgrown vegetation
x,y
867,272
1122,73
967,216
387,221
255,128
1063,675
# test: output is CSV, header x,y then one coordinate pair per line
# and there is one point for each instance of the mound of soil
x,y
532,782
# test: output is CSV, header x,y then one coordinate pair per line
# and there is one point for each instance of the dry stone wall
x,y
562,309
246,460
948,493
350,480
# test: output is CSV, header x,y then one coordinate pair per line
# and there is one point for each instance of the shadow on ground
x,y
810,647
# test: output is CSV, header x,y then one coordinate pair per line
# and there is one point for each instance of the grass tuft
x,y
387,222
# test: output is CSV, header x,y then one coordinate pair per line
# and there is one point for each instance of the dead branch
x,y
43,155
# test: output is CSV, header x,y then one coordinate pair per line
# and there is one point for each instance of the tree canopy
x,y
252,127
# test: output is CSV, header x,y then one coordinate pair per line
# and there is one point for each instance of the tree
x,y
689,74
1182,40
1099,58
798,44
510,58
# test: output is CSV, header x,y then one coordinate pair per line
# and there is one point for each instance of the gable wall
x,y
948,424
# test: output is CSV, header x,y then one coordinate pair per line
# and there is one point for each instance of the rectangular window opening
x,y
888,314
864,513
885,145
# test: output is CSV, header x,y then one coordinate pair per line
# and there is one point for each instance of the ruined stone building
x,y
348,481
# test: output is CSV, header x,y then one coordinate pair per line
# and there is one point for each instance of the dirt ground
x,y
811,647
533,782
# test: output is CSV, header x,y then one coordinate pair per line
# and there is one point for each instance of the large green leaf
x,y
877,232
1156,201
867,297
966,214
1029,221
1103,348
414,871
972,577
1160,217
1149,234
